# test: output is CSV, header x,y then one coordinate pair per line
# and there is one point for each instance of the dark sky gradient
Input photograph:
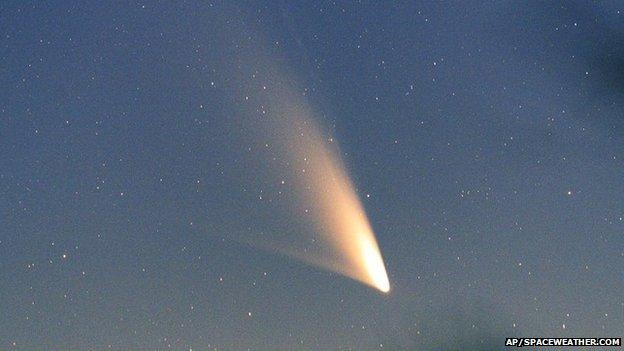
x,y
486,141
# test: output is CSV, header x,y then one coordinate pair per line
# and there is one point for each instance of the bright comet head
x,y
375,267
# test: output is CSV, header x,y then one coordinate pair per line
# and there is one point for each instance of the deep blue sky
x,y
488,136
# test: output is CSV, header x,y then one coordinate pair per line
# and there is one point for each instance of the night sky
x,y
145,182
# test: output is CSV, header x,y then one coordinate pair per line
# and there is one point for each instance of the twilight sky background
x,y
486,141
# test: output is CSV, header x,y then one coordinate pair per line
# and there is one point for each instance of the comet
x,y
337,212
276,110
